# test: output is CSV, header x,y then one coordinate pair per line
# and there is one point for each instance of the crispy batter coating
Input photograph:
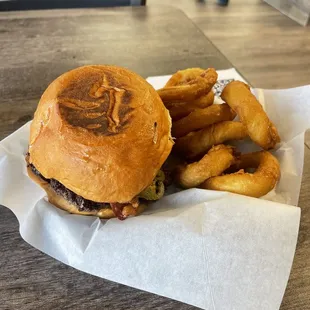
x,y
197,143
256,184
190,90
184,76
202,118
218,159
260,129
182,109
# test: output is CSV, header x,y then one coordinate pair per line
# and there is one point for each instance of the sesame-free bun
x,y
61,203
102,131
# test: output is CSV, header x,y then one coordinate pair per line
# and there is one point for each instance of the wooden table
x,y
35,47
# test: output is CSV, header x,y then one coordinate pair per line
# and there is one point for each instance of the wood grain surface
x,y
35,47
267,47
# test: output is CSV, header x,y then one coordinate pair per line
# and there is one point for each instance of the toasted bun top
x,y
101,131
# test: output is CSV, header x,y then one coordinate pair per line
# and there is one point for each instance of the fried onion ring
x,y
182,109
184,76
199,142
218,159
256,184
260,129
202,118
190,90
203,101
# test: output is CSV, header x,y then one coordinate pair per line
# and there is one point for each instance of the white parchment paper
x,y
210,249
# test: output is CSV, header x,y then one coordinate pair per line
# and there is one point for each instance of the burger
x,y
98,140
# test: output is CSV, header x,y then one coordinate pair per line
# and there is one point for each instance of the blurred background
x,y
268,41
270,49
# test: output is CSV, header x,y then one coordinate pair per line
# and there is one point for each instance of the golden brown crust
x,y
215,162
101,131
197,143
256,184
203,101
184,76
182,109
260,129
61,203
191,89
202,118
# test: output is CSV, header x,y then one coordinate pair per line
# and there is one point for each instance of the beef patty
x,y
81,203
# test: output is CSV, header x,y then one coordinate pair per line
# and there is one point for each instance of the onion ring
x,y
260,129
256,184
182,109
199,142
191,90
202,118
203,101
184,76
218,159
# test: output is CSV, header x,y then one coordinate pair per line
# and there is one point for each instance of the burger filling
x,y
153,192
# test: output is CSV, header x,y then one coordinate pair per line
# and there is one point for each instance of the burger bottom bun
x,y
61,203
